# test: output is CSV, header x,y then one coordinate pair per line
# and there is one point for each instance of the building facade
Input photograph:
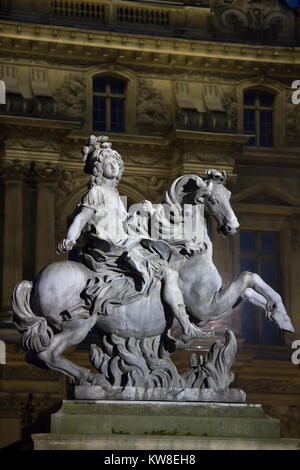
x,y
179,87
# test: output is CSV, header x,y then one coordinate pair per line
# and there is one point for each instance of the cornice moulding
x,y
37,122
68,38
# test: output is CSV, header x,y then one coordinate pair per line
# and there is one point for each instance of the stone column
x,y
12,239
45,225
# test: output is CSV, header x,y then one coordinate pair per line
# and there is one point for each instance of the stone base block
x,y
157,443
87,417
95,392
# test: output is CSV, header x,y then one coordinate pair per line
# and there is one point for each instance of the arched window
x,y
108,104
259,117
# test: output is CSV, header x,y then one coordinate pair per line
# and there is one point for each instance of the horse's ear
x,y
206,185
224,175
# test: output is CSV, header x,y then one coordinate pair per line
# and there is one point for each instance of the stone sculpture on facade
x,y
141,272
268,21
70,97
152,111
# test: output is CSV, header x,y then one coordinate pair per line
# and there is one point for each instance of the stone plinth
x,y
164,418
101,424
95,392
145,443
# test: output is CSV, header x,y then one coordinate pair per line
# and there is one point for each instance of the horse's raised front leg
x,y
73,333
250,287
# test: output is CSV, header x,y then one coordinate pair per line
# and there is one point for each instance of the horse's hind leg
x,y
73,333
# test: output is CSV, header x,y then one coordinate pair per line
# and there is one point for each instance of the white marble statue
x,y
133,283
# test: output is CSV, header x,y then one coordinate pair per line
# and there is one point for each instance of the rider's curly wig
x,y
95,152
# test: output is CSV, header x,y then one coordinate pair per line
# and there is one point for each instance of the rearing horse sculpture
x,y
65,301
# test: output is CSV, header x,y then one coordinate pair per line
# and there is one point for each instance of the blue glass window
x,y
99,113
259,253
247,241
109,104
258,117
268,242
99,84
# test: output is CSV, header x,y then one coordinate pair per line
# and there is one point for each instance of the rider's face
x,y
110,168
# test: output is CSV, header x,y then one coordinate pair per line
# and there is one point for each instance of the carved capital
x,y
14,170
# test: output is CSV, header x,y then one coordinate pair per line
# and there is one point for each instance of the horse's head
x,y
216,199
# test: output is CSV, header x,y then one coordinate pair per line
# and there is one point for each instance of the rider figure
x,y
102,218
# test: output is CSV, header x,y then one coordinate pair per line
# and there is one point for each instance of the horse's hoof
x,y
87,380
283,321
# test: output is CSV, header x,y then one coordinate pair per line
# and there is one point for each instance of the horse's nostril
x,y
228,228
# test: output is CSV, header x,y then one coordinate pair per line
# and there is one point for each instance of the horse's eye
x,y
213,200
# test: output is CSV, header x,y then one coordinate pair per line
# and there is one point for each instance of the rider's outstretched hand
x,y
148,207
65,245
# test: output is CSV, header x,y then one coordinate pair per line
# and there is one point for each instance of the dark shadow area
x,y
41,425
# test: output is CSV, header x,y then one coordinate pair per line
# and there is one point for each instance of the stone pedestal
x,y
109,425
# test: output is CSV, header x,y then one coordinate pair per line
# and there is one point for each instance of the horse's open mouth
x,y
225,231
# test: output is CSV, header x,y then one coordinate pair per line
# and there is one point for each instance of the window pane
x,y
249,322
249,97
249,124
99,84
266,128
248,265
260,254
269,271
99,113
247,241
268,242
117,114
271,333
266,99
117,86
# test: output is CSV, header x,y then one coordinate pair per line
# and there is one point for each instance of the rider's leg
x,y
172,296
250,287
73,333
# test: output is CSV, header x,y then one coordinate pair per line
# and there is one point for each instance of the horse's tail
x,y
36,334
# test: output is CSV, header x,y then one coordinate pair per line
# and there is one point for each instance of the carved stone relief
x,y
262,21
153,114
230,104
71,97
292,121
205,157
31,144
150,187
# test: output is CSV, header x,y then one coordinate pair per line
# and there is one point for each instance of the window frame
x,y
260,220
108,95
259,257
279,124
257,108
130,98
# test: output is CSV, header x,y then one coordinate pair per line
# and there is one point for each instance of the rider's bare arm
x,y
75,230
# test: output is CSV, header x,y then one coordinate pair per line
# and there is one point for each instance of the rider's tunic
x,y
127,264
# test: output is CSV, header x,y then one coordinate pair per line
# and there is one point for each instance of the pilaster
x,y
13,233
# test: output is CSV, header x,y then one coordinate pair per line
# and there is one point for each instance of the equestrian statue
x,y
141,271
